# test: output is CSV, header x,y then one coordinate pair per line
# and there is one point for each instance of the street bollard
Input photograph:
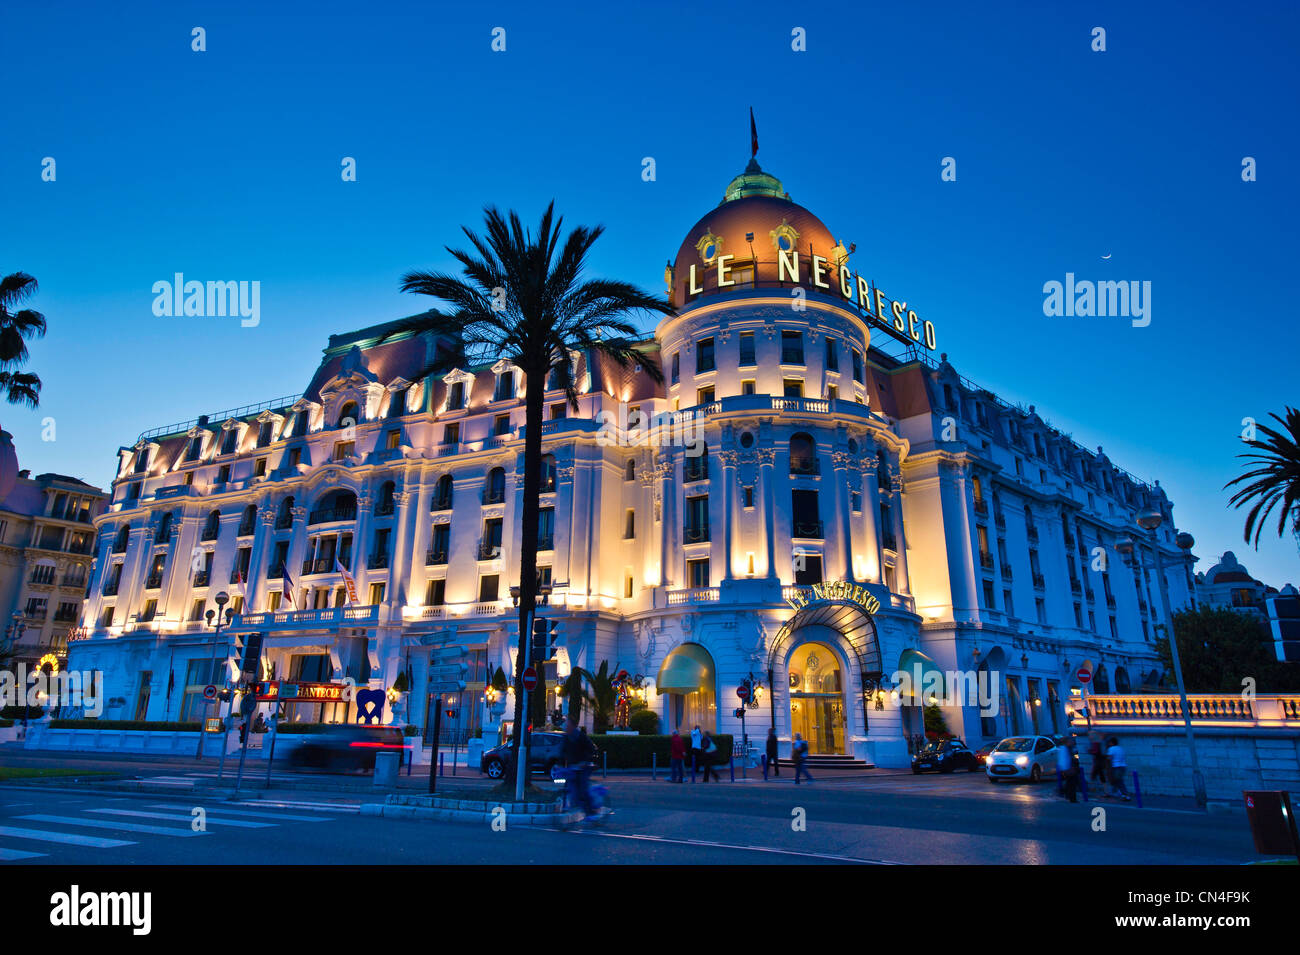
x,y
604,769
1083,785
731,764
654,762
1137,790
1060,783
765,767
692,767
442,766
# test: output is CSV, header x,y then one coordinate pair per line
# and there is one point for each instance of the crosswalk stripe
x,y
122,826
311,806
13,855
244,812
172,817
69,838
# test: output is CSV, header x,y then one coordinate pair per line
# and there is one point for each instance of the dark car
x,y
543,755
945,756
348,747
982,754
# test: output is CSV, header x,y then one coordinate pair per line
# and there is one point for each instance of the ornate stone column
x,y
840,463
729,460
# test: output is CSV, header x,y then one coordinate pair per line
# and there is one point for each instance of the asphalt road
x,y
885,819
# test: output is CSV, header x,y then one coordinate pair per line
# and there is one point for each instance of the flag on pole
x,y
286,587
753,135
348,581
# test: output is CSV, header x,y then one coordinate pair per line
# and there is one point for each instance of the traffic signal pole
x,y
521,758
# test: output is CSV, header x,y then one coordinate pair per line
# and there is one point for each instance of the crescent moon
x,y
1106,256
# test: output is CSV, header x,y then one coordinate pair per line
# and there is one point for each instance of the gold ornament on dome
x,y
787,232
709,247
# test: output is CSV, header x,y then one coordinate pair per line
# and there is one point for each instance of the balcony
x,y
496,496
981,507
803,466
1110,601
154,582
1076,586
74,582
110,589
440,503
695,534
330,618
546,543
1000,520
239,577
808,530
384,508
435,557
210,533
275,571
377,562
986,560
201,578
46,580
327,515
489,550
695,469
284,521
1040,583
307,567
245,529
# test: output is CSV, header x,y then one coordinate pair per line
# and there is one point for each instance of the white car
x,y
1022,757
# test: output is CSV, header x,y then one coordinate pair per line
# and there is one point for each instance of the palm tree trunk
x,y
534,399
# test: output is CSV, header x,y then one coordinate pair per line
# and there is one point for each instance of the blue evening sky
x,y
225,165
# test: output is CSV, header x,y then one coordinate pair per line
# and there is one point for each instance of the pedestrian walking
x,y
773,759
708,753
676,758
579,753
1118,766
1098,754
1067,763
799,752
697,741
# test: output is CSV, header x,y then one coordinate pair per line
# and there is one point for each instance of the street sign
x,y
742,691
210,692
530,679
1083,675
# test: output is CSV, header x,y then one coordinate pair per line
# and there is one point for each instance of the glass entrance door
x,y
816,699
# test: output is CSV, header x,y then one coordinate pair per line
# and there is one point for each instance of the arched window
x,y
630,473
119,542
384,505
164,534
495,490
284,516
213,526
803,454
339,505
349,415
548,473
442,494
248,522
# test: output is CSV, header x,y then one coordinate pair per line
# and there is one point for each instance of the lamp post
x,y
1150,520
221,600
543,597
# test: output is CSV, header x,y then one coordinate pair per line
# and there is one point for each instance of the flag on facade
x,y
239,575
753,135
348,581
286,587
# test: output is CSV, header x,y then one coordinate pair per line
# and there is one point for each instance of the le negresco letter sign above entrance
x,y
834,590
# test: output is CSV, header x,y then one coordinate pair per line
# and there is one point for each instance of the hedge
x,y
16,712
151,726
5,724
633,752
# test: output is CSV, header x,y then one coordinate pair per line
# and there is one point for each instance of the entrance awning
x,y
922,672
686,669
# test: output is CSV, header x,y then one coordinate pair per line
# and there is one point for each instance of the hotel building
x,y
805,434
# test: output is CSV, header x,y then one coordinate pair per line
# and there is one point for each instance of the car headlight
x,y
1022,760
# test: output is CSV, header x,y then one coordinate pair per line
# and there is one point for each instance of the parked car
x,y
1022,757
543,755
982,754
944,755
348,747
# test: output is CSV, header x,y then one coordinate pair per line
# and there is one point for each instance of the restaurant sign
x,y
276,691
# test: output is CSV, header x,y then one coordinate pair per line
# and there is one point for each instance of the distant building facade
x,y
792,502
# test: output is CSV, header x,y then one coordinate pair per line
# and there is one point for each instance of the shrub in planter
x,y
644,721
151,726
410,730
5,724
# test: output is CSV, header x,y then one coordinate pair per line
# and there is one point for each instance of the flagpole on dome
x,y
753,136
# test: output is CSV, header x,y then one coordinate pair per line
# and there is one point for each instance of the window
x,y
559,411
748,386
196,609
349,414
295,458
223,474
451,433
832,392
441,540
198,674
501,425
548,473
491,544
677,367
505,389
697,519
627,585
791,348
397,404
195,447
435,595
805,515
697,572
629,473
1040,607
857,366
704,396
855,501
495,490
229,441
376,593
832,355
704,356
442,494
259,467
456,396
747,349
391,439
1007,604
988,595
807,568
488,585
546,528
106,619
343,449
748,491
793,387
629,524
265,432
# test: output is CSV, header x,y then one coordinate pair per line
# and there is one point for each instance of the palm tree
x,y
16,327
522,297
1276,479
593,689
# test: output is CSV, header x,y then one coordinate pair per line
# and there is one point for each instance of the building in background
x,y
1228,585
46,545
810,497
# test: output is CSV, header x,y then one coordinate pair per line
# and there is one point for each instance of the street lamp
x,y
1150,520
221,599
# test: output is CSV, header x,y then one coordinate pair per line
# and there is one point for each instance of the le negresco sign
x,y
841,590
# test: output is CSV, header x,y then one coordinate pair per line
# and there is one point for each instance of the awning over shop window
x,y
919,668
686,669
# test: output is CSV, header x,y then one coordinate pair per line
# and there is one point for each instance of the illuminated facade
x,y
804,435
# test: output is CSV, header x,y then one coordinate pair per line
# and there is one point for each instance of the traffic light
x,y
544,632
252,656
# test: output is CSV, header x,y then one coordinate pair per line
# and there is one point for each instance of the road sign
x,y
1083,675
530,679
210,692
742,691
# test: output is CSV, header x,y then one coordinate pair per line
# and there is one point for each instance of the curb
x,y
538,820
